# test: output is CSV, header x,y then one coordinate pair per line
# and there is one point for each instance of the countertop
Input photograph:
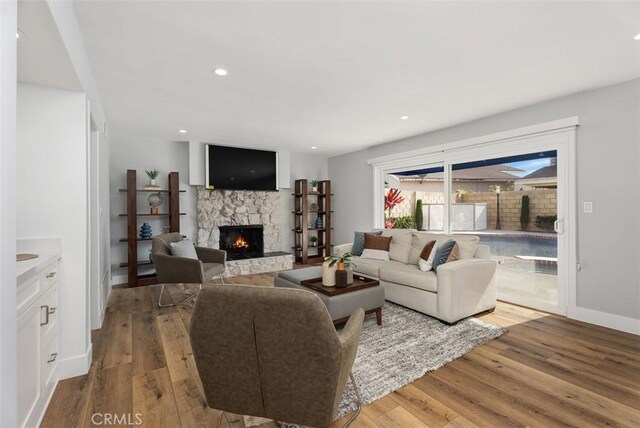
x,y
28,268
48,250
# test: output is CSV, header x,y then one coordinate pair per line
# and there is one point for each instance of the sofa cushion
x,y
409,275
443,253
400,244
425,263
367,267
358,242
371,254
468,244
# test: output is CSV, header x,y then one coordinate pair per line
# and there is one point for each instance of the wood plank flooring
x,y
547,371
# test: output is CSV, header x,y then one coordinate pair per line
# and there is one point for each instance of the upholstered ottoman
x,y
340,306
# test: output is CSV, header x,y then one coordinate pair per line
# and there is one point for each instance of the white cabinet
x,y
38,343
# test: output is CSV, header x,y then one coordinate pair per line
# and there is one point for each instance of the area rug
x,y
407,345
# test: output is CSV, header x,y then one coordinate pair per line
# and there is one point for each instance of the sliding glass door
x,y
512,194
510,203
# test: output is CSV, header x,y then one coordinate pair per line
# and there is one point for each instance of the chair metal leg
x,y
181,302
358,402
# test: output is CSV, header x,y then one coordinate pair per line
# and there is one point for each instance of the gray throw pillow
x,y
442,253
358,242
184,248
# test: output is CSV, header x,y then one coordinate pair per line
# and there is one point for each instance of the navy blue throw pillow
x,y
358,242
442,253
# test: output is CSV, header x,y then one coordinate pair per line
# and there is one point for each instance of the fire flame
x,y
240,243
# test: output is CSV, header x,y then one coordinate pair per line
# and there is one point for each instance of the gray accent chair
x,y
170,269
273,353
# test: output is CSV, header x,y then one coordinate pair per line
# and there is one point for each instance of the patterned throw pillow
x,y
358,242
376,247
444,252
425,262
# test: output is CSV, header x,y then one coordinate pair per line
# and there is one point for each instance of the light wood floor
x,y
546,371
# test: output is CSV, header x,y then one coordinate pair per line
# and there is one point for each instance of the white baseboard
x,y
75,366
119,279
604,319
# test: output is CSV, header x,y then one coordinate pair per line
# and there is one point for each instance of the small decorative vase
x,y
329,274
349,270
152,182
319,223
145,231
314,189
341,278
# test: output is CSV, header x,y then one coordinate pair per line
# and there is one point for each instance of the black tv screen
x,y
232,168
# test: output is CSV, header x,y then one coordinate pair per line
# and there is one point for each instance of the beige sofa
x,y
457,290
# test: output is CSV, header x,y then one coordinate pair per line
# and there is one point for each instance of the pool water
x,y
511,246
521,246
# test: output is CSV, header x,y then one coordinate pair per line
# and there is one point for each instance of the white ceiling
x,y
338,75
42,57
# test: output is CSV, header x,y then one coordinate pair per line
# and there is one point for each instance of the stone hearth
x,y
238,207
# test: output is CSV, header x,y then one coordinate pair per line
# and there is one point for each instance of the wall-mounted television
x,y
233,168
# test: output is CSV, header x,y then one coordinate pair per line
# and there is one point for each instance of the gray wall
x,y
608,159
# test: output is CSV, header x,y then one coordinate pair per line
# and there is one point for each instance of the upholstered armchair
x,y
170,269
273,353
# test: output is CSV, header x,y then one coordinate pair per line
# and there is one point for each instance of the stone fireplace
x,y
242,241
247,224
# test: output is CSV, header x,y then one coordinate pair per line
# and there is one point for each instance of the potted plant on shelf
x,y
314,186
314,241
152,174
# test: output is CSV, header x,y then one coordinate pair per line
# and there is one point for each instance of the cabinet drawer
x,y
27,292
49,311
49,361
50,275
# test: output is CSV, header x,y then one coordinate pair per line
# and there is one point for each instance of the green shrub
x,y
546,222
403,222
419,215
524,213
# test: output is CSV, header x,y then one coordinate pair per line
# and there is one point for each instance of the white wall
x,y
52,184
145,154
8,329
608,154
311,167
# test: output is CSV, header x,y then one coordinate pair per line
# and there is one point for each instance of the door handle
x,y
558,226
51,275
53,357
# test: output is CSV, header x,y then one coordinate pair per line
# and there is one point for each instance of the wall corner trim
x,y
77,365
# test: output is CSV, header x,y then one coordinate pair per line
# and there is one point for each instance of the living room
x,y
397,140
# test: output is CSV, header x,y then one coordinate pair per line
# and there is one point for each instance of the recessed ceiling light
x,y
182,131
404,117
637,37
220,72
313,147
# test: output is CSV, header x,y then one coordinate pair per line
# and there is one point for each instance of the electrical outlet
x,y
587,207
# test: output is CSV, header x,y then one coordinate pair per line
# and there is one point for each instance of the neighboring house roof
x,y
550,171
483,173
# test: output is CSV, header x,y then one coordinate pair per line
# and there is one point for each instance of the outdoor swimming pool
x,y
526,245
507,247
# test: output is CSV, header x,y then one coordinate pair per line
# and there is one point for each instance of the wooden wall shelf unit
x,y
136,279
304,221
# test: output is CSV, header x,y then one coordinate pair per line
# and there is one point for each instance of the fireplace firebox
x,y
242,241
